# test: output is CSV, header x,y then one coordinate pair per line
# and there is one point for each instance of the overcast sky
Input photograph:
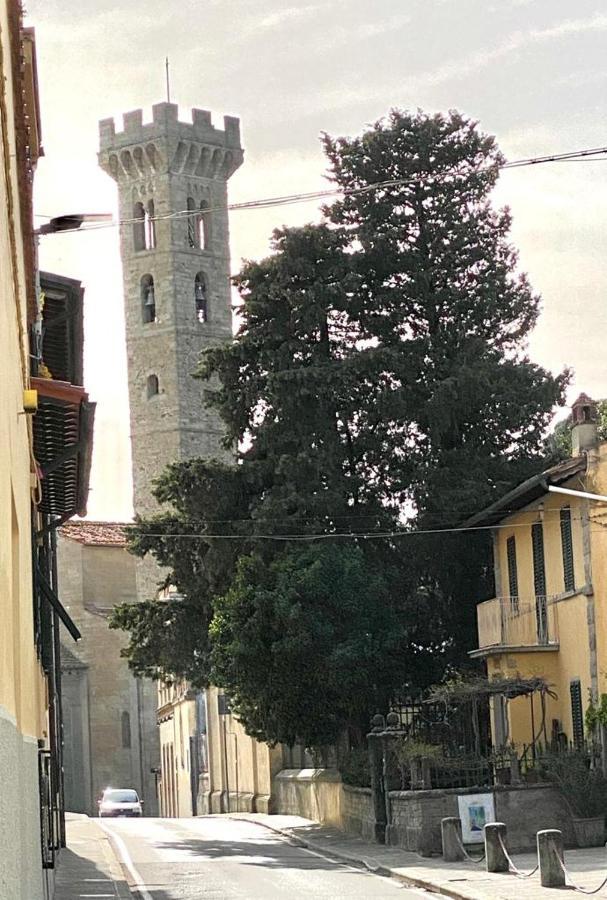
x,y
533,72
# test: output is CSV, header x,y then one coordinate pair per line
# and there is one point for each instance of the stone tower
x,y
172,182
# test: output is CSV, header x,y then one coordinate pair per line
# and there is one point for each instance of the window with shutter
x,y
512,572
567,548
577,716
539,582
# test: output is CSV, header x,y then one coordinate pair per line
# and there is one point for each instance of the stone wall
x,y
357,812
312,793
525,810
318,794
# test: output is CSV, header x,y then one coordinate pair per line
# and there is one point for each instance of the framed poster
x,y
475,810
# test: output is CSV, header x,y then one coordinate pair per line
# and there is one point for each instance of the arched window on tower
x,y
193,226
200,298
153,387
148,300
204,226
139,226
150,227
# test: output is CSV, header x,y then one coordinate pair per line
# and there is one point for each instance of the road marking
x,y
128,862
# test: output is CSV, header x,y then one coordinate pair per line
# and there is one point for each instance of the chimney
x,y
584,431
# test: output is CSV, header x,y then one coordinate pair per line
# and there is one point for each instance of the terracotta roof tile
x,y
108,534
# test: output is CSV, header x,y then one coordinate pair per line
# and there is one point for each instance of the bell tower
x,y
172,182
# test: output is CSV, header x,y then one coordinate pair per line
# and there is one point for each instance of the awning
x,y
63,444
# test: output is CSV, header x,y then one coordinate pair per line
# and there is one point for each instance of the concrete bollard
x,y
451,834
494,855
550,857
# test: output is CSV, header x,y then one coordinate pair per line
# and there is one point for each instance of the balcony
x,y
513,623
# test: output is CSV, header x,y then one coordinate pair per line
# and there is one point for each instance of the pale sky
x,y
533,72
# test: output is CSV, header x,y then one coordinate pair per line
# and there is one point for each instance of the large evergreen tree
x,y
380,367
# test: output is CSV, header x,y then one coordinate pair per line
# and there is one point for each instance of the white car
x,y
120,802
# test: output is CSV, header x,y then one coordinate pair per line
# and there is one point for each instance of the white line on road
x,y
128,862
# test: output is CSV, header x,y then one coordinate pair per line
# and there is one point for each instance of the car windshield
x,y
120,797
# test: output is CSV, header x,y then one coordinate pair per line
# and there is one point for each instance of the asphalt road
x,y
216,857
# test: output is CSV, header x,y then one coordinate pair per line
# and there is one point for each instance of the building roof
x,y
528,491
98,534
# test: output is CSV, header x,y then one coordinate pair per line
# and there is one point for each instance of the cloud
x,y
517,41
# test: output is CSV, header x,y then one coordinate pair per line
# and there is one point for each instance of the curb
x,y
357,861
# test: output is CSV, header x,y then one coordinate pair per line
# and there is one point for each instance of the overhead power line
x,y
588,155
349,535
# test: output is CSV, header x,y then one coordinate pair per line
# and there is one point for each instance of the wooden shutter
x,y
567,548
577,716
512,572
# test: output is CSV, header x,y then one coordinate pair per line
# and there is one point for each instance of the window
x,y
148,300
139,226
539,582
200,298
150,227
512,573
567,549
577,717
193,226
126,729
152,386
144,226
204,227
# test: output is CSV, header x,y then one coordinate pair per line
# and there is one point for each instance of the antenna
x,y
166,62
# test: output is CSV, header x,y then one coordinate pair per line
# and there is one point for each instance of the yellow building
x,y
45,422
549,616
208,762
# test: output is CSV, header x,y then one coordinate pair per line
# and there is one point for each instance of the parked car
x,y
120,802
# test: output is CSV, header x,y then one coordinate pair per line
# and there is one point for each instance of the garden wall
x,y
525,810
318,794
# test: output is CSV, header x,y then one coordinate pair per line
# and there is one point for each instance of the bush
x,y
354,767
584,788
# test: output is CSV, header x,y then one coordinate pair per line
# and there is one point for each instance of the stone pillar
x,y
451,834
550,856
374,743
496,860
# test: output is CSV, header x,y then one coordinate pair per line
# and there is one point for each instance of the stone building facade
x,y
172,185
109,728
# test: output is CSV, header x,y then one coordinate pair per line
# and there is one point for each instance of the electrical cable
x,y
289,199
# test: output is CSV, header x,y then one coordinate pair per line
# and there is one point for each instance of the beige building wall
x,y
111,738
22,705
209,763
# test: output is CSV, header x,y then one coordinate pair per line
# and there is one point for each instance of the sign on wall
x,y
475,810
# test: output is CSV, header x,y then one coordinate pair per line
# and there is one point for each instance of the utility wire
x,y
289,199
350,535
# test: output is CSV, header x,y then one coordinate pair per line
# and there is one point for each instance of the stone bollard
x,y
451,834
494,855
550,857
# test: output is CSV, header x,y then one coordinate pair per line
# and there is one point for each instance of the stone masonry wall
x,y
416,816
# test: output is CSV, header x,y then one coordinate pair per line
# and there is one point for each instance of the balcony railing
x,y
517,622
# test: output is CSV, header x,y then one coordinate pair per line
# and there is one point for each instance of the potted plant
x,y
584,789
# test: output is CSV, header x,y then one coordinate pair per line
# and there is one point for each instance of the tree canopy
x,y
378,384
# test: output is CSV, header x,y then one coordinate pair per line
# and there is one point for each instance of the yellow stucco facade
x,y
208,762
23,696
554,625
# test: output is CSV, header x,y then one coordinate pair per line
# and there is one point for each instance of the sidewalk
x,y
88,867
463,881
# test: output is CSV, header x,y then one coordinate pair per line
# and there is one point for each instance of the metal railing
x,y
518,622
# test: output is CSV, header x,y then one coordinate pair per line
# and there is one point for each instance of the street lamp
x,y
72,222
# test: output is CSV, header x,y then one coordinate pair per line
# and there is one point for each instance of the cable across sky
x,y
594,154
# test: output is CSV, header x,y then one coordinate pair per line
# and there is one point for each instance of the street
x,y
219,857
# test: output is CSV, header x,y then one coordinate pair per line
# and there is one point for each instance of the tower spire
x,y
168,79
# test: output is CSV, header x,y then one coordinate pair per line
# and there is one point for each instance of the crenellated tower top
x,y
196,149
